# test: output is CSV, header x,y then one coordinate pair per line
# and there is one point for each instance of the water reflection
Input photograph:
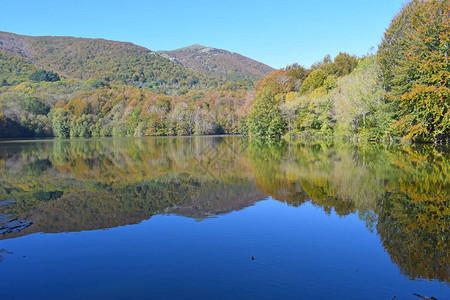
x,y
402,193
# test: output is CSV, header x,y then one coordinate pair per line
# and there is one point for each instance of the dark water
x,y
182,218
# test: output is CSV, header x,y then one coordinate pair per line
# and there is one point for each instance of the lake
x,y
223,218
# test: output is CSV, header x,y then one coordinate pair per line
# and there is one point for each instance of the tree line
x,y
400,91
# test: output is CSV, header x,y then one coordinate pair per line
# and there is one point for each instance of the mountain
x,y
126,63
80,87
98,59
219,63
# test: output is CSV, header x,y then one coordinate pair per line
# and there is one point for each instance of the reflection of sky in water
x,y
211,191
299,253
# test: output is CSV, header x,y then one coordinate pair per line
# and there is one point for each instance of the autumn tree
x,y
414,57
298,73
344,64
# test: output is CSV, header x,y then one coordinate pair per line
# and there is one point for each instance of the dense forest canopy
x,y
72,87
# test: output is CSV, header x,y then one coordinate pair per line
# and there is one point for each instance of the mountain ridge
x,y
129,63
219,62
99,59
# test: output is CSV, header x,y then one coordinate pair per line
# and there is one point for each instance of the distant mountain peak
x,y
218,62
195,47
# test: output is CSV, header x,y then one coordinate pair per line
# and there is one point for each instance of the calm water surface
x,y
182,218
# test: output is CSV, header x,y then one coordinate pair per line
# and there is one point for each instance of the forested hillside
x,y
75,87
107,61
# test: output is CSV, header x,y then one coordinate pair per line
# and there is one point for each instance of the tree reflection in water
x,y
402,192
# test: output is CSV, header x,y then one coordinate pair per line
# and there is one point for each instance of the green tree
x,y
42,75
315,80
264,120
358,97
60,122
36,106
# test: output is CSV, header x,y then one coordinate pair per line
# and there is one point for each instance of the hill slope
x,y
219,63
78,87
89,59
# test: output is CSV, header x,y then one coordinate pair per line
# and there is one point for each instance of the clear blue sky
x,y
277,33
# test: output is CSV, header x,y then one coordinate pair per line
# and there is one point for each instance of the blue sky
x,y
277,33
